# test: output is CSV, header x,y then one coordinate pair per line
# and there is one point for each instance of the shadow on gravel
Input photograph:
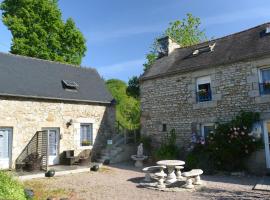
x,y
136,180
243,180
220,194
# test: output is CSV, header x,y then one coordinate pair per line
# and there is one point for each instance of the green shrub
x,y
10,189
146,140
168,148
200,159
228,146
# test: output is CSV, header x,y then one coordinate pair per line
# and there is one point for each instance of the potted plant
x,y
203,93
266,85
86,143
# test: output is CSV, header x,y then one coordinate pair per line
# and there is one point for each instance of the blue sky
x,y
120,32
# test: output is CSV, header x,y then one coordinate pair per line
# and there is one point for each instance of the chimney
x,y
166,46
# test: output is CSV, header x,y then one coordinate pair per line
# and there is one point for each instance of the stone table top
x,y
171,162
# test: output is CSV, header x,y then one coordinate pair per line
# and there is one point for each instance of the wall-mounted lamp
x,y
69,123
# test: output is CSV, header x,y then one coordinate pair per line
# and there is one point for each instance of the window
x,y
164,127
204,49
265,81
204,89
86,134
71,85
206,129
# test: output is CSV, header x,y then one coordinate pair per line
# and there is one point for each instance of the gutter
x,y
53,98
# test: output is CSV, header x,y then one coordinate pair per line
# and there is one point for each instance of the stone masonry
x,y
27,116
171,100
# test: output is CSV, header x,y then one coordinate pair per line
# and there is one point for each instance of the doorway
x,y
5,147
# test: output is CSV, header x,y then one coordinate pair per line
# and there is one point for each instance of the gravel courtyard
x,y
120,182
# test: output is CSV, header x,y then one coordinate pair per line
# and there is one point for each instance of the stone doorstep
x,y
57,173
263,184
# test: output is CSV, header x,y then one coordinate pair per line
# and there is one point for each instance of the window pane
x,y
266,75
208,130
86,134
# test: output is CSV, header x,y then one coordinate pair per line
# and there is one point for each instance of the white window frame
x,y
91,134
203,80
260,75
200,81
206,124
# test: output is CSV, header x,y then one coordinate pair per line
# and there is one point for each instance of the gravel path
x,y
120,182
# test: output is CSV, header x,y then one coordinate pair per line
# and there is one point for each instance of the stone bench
x,y
194,173
152,169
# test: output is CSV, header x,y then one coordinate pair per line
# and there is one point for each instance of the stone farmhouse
x,y
189,89
48,108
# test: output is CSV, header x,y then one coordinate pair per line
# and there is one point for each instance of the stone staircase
x,y
119,151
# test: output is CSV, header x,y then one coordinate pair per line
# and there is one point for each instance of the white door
x,y
5,147
266,131
53,146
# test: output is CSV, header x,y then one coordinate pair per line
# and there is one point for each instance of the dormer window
x,y
70,85
265,32
203,49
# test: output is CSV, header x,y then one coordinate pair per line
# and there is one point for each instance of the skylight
x,y
72,85
203,49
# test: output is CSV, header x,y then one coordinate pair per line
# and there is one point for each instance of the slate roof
x,y
245,45
22,76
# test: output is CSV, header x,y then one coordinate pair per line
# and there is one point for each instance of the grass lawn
x,y
42,191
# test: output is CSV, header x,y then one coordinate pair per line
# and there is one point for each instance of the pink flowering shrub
x,y
229,145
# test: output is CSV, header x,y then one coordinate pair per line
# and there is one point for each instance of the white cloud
x,y
104,35
122,70
238,16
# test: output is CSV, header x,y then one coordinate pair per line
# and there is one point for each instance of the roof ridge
x,y
226,36
49,61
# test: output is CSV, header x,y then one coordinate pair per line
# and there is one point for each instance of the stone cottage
x,y
70,104
189,89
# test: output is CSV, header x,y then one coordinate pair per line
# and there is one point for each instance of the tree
x,y
39,31
127,107
185,32
133,88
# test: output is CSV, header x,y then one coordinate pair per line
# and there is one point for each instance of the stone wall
x,y
171,100
26,117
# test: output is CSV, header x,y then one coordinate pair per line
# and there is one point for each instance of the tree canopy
x,y
184,32
127,107
38,31
133,88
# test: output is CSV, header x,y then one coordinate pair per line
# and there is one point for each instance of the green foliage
x,y
127,107
133,88
168,149
150,59
39,31
146,140
10,189
185,32
230,144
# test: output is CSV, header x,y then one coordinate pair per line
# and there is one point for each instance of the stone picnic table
x,y
170,165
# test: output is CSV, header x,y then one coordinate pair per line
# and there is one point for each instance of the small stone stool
x,y
151,169
178,173
195,173
161,176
